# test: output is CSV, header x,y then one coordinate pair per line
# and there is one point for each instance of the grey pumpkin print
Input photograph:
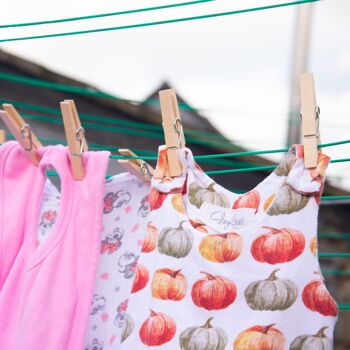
x,y
286,163
176,242
204,337
128,327
271,294
197,195
287,201
318,341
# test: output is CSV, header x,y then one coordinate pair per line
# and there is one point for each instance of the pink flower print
x,y
127,209
104,276
48,219
104,317
112,339
135,228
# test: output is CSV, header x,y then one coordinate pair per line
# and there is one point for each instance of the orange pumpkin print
x,y
260,338
268,201
313,246
157,330
150,241
317,173
177,203
317,298
213,292
278,245
169,284
248,200
221,248
162,164
199,226
156,198
141,278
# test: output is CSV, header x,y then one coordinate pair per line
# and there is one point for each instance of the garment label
x,y
225,219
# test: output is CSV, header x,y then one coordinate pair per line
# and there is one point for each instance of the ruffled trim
x,y
167,184
292,166
302,180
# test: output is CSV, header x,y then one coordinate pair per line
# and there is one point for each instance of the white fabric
x,y
272,315
124,221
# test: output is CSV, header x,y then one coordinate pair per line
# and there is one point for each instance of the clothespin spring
x,y
315,135
145,169
79,136
26,133
177,124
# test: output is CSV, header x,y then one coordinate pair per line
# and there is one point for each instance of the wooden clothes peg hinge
x,y
21,131
75,135
173,131
137,167
309,113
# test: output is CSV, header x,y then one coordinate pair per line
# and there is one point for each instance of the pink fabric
x,y
46,291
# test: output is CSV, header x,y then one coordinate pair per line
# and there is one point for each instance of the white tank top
x,y
233,271
125,211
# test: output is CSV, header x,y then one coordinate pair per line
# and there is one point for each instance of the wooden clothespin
x,y
309,120
137,167
21,131
2,136
173,131
75,138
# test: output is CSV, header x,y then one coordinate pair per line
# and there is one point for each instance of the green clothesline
x,y
98,118
140,152
335,235
149,24
336,272
147,126
79,90
260,168
152,134
334,255
237,154
126,12
128,131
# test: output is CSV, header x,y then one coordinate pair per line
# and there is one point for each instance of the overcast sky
x,y
236,69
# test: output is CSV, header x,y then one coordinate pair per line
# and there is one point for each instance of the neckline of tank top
x,y
302,182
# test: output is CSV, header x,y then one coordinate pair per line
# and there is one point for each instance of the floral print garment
x,y
255,287
125,211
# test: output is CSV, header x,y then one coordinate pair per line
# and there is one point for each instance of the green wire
x,y
71,19
78,90
125,130
265,167
149,24
336,272
97,118
334,235
334,255
344,306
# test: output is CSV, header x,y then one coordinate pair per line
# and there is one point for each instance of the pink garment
x,y
46,291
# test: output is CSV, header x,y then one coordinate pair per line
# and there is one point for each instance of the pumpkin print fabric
x,y
126,231
248,288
